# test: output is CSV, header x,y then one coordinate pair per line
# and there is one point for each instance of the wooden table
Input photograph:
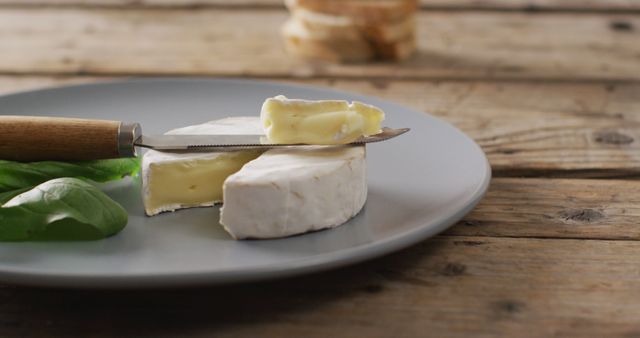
x,y
549,88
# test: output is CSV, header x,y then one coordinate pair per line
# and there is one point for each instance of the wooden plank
x,y
570,5
532,129
446,287
565,5
556,208
526,129
149,3
458,45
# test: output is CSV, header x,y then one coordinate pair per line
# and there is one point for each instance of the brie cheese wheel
x,y
295,190
172,181
318,122
281,192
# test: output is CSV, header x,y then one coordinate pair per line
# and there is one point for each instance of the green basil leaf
x,y
60,209
18,175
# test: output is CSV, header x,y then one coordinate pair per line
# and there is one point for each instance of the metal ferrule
x,y
128,133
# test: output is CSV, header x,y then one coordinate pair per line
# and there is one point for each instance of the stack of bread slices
x,y
351,30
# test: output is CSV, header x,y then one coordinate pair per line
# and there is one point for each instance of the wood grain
x,y
54,138
526,129
531,129
446,287
570,5
458,45
566,5
556,208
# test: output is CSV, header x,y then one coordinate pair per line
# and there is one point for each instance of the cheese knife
x,y
30,138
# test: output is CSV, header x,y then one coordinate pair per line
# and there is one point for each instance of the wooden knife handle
x,y
30,138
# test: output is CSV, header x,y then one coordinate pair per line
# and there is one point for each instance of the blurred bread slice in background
x,y
326,25
299,41
369,11
351,30
342,26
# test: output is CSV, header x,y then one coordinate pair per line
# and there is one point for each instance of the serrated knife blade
x,y
33,138
218,142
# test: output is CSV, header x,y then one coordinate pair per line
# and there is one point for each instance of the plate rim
x,y
318,263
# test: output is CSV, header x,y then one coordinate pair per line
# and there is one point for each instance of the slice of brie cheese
x,y
291,191
172,181
318,122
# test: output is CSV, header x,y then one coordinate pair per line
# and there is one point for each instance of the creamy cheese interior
x,y
191,182
318,122
181,180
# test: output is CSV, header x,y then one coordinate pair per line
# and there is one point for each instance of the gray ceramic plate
x,y
419,184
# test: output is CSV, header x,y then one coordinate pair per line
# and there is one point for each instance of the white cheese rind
x,y
291,191
228,126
